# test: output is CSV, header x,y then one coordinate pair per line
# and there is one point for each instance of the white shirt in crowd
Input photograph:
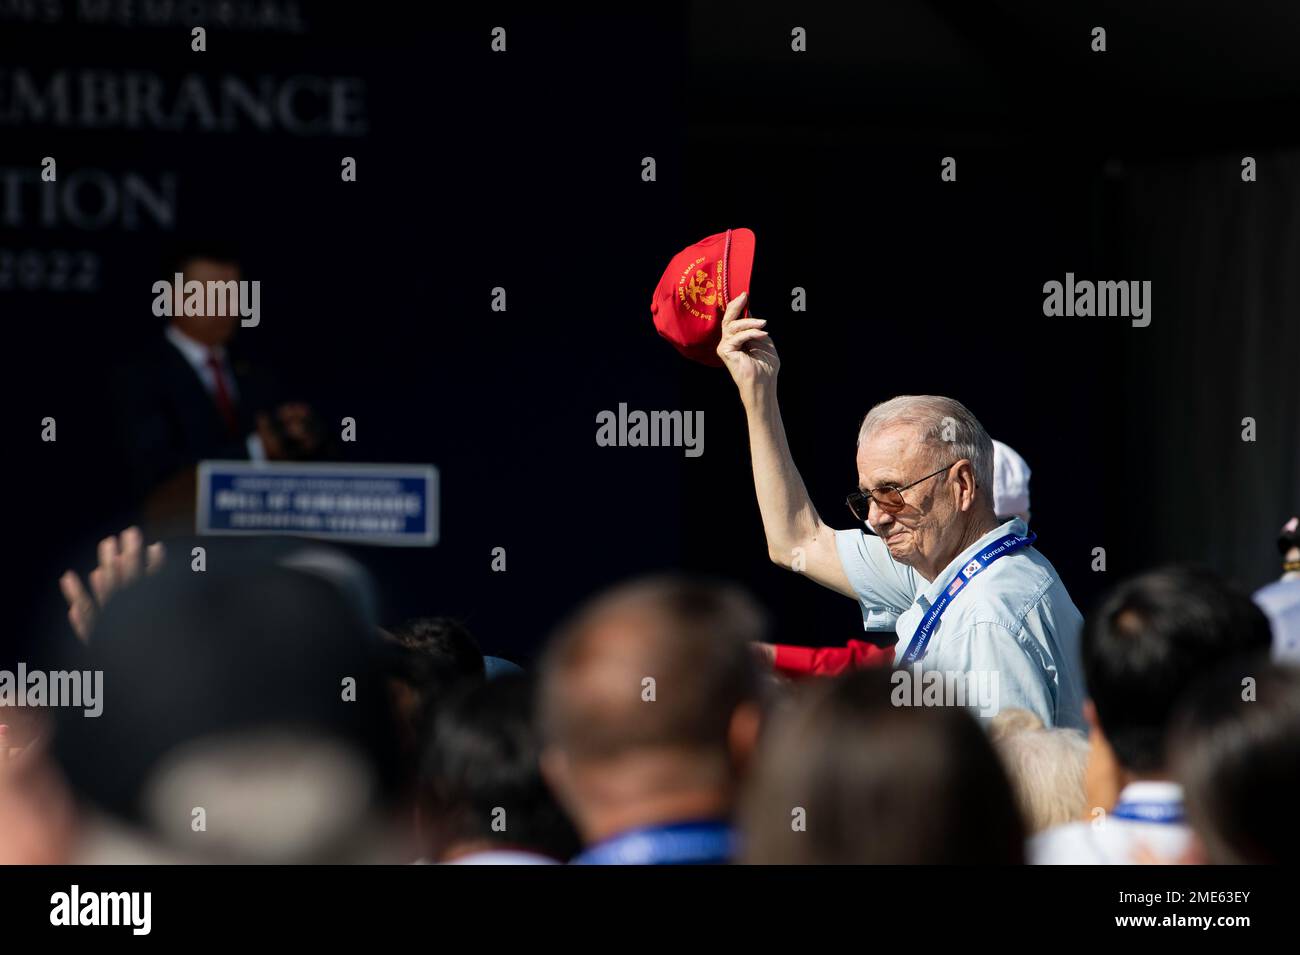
x,y
1280,602
1118,839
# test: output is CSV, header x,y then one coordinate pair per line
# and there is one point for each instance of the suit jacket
x,y
167,421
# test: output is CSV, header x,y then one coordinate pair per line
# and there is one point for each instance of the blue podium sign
x,y
394,505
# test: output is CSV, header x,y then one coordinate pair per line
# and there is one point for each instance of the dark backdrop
x,y
523,170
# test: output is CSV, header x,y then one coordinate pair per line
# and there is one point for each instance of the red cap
x,y
697,285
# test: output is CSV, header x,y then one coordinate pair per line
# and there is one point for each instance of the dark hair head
x,y
1148,639
879,783
692,639
1235,747
482,758
434,656
429,660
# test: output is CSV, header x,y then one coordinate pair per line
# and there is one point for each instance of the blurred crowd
x,y
257,712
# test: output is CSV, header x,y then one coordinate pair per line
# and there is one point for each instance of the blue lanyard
x,y
1164,813
977,565
680,844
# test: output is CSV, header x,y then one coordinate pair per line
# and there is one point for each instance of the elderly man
x,y
972,599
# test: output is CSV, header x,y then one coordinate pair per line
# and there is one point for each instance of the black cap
x,y
188,655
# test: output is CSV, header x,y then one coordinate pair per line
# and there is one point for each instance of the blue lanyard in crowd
x,y
995,551
680,844
1163,813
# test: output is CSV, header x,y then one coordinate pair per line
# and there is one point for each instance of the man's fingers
x,y
99,585
71,588
154,557
741,324
107,578
74,592
735,308
734,342
81,609
128,564
81,623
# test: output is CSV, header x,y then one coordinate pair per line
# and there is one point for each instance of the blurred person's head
x,y
927,464
1235,748
1046,767
846,777
429,659
1147,640
244,720
336,567
1012,720
435,654
202,263
650,705
481,786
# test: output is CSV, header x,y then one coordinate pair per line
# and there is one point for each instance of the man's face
x,y
211,330
920,531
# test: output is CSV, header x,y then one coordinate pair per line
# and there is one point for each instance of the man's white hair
x,y
943,423
1046,768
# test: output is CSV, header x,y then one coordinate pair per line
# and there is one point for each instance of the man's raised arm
x,y
797,539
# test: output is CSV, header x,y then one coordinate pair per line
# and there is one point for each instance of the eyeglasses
x,y
888,497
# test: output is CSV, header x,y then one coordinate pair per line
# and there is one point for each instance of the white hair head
x,y
1046,767
943,423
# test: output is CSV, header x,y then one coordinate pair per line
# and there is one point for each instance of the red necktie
x,y
225,406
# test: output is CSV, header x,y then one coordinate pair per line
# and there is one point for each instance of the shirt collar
x,y
944,577
696,841
196,353
1152,790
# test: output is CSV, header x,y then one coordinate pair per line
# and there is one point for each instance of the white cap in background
x,y
1010,483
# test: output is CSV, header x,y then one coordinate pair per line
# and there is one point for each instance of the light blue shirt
x,y
1013,627
1280,602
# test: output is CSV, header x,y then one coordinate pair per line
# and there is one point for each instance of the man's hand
x,y
122,559
300,427
292,435
747,350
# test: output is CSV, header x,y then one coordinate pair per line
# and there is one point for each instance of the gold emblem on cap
x,y
701,289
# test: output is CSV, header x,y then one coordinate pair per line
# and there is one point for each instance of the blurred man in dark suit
x,y
190,396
